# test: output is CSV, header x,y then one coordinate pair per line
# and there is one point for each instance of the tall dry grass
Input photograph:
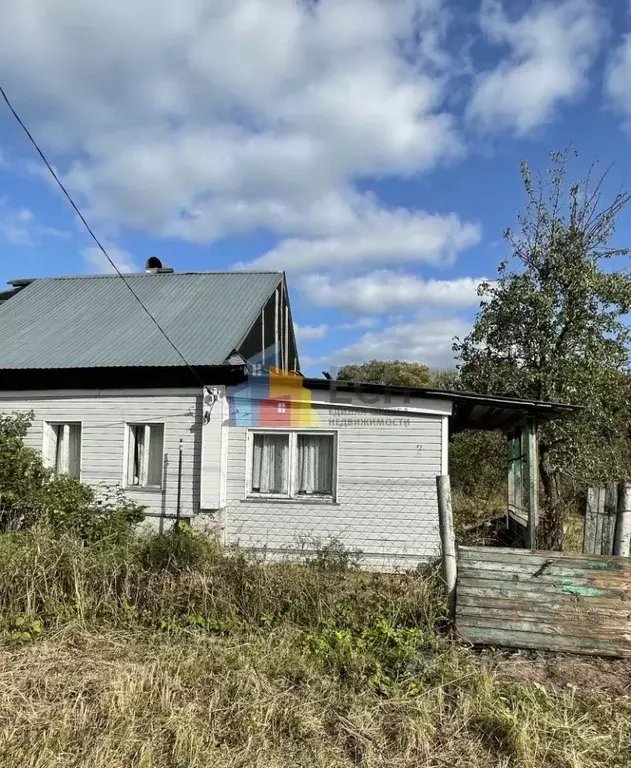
x,y
147,700
151,580
168,653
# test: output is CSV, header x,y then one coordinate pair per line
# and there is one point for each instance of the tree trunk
x,y
551,524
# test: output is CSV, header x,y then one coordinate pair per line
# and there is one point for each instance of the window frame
x,y
49,434
292,494
129,425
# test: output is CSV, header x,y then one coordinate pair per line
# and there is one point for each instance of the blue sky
x,y
370,148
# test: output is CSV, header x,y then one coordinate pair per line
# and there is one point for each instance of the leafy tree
x,y
395,372
552,327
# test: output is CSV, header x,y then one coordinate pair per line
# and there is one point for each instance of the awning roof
x,y
470,410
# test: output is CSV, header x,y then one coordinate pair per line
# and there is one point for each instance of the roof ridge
x,y
27,280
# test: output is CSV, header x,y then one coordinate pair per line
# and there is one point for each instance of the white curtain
x,y
62,436
155,433
146,451
67,449
270,460
315,464
74,450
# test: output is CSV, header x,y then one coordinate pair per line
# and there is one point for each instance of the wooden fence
x,y
544,600
550,601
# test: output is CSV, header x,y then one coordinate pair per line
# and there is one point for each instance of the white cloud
x,y
19,226
360,323
310,332
552,47
416,340
384,291
373,235
196,120
96,262
618,78
16,224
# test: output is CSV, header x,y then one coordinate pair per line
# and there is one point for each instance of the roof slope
x,y
88,322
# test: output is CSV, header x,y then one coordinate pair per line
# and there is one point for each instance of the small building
x,y
184,390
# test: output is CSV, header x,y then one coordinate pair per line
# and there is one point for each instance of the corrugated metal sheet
x,y
87,322
544,600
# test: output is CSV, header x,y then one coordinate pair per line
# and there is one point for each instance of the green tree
x,y
552,327
394,372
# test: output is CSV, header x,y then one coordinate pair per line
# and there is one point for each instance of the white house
x,y
160,384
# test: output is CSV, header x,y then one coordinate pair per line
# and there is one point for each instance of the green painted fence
x,y
544,600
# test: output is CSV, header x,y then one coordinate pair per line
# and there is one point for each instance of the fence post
x,y
447,541
622,539
532,481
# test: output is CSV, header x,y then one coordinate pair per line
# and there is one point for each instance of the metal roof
x,y
95,321
470,409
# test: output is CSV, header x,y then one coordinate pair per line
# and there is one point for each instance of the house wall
x,y
103,415
385,502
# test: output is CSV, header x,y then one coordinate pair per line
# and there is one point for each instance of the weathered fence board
x,y
544,600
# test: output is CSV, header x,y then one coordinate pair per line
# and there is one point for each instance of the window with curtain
x,y
293,464
315,465
270,464
64,448
145,455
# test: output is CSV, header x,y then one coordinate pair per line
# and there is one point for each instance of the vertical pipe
x,y
285,338
276,357
532,482
448,542
622,540
262,339
178,509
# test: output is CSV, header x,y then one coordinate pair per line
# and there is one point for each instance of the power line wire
x,y
92,235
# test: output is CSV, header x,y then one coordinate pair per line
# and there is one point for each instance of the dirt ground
x,y
564,673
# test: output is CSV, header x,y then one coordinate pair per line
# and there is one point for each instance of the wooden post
x,y
622,540
532,481
515,483
448,542
591,522
609,518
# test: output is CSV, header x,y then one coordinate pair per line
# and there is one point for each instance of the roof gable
x,y
88,322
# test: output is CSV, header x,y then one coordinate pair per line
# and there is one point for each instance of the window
x,y
293,464
145,449
63,452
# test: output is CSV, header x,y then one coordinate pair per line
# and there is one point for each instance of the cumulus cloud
x,y
310,332
375,236
552,47
385,291
618,78
95,261
426,341
198,120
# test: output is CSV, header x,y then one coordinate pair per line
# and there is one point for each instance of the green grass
x,y
170,654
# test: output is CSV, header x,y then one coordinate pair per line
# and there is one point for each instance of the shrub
x,y
178,550
331,555
30,494
380,655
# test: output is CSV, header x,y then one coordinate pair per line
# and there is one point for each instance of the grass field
x,y
168,654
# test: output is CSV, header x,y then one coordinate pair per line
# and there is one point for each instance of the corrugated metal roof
x,y
95,321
